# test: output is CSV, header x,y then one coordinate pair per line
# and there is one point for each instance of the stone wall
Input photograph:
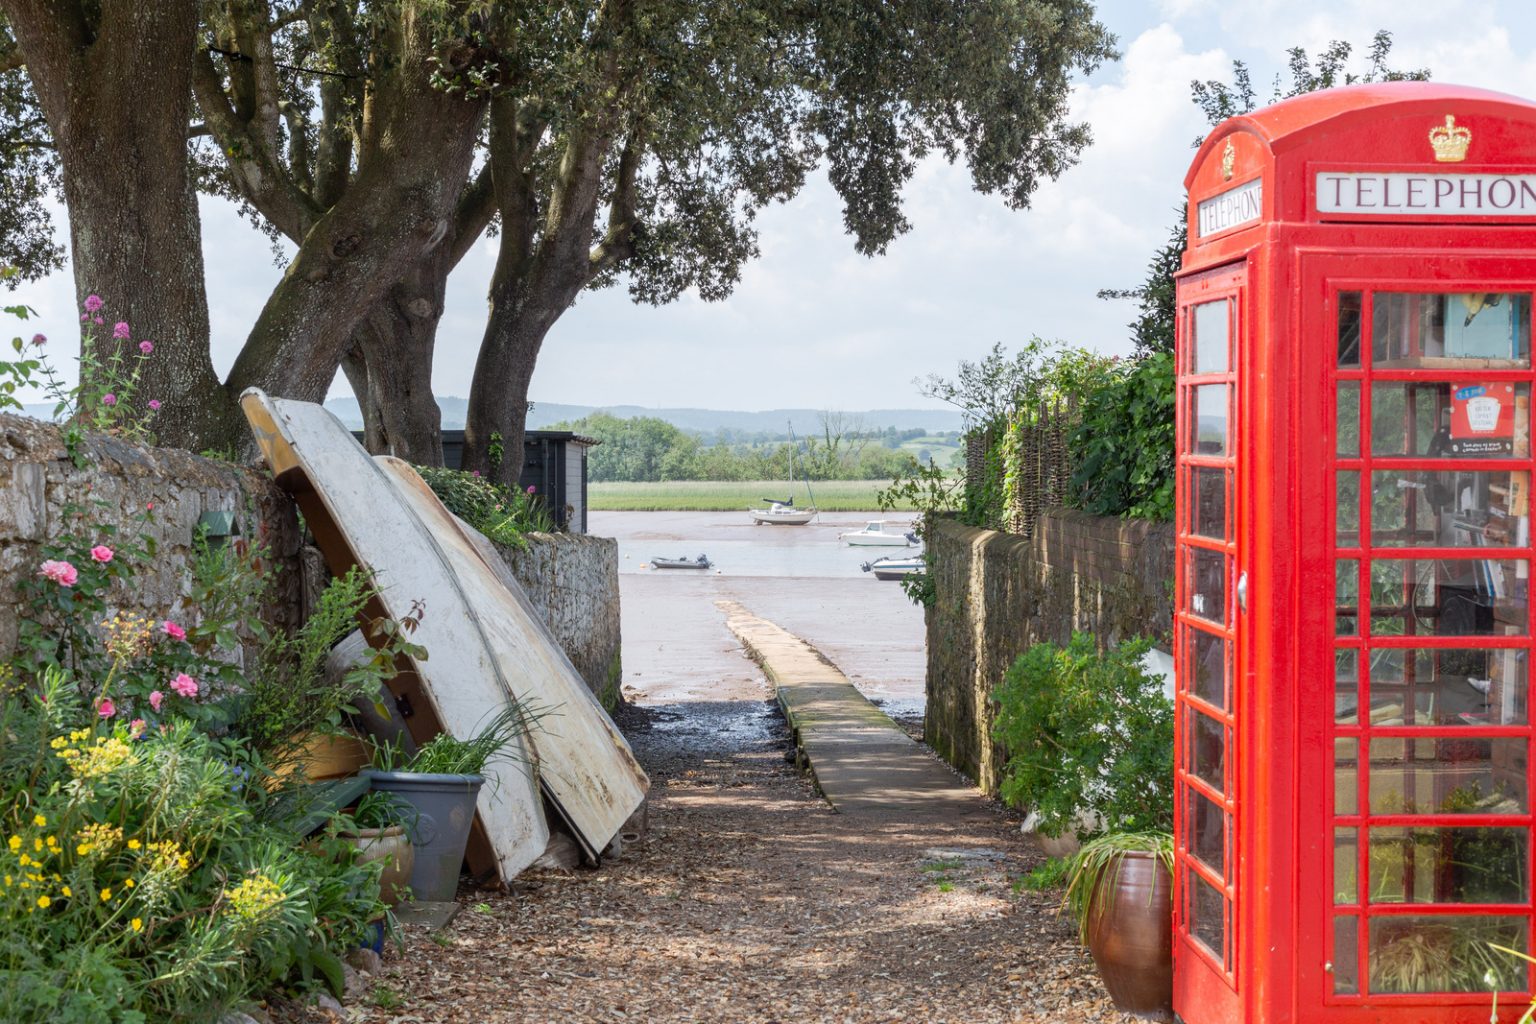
x,y
996,594
573,580
115,482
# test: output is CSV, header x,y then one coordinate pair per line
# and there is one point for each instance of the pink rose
x,y
61,573
120,330
146,347
156,698
106,709
173,631
101,553
184,685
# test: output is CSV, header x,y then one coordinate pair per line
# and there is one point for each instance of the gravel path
x,y
747,900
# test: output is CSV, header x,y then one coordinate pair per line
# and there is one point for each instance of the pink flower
x,y
39,340
154,405
474,472
146,347
106,709
184,685
156,698
93,303
101,553
174,631
120,330
136,727
531,488
97,320
109,399
61,573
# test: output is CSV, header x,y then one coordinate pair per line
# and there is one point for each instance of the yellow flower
x,y
43,902
53,842
137,924
24,860
66,891
14,843
106,894
98,837
134,844
256,897
37,845
39,820
107,756
129,883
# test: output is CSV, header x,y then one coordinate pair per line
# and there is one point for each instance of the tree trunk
x,y
498,398
394,387
396,212
121,136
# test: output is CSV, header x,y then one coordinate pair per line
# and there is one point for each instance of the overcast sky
x,y
813,324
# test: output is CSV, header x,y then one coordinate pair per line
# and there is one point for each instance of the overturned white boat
x,y
487,647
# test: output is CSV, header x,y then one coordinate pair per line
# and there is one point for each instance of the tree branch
x,y
618,242
477,205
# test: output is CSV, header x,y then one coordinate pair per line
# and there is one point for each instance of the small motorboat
x,y
894,567
875,534
781,513
702,562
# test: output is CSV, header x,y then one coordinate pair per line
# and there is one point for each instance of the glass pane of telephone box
x,y
1460,331
1446,953
1206,582
1346,956
1438,419
1347,444
1207,914
1346,866
1207,833
1449,509
1448,686
1212,326
1448,865
1347,509
1205,659
1346,776
1349,329
1208,502
1208,420
1346,686
1206,749
1448,775
1346,597
1449,597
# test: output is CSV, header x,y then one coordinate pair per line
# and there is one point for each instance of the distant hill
x,y
704,421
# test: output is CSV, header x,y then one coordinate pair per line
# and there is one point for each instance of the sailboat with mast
x,y
784,512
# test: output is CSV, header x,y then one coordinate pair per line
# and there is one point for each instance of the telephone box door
x,y
1414,798
1210,601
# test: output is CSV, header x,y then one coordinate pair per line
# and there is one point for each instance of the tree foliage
x,y
29,171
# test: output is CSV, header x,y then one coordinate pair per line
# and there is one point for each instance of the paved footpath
x,y
862,762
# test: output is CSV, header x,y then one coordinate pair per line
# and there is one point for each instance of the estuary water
x,y
677,646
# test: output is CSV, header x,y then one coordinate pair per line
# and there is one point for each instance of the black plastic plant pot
x,y
437,812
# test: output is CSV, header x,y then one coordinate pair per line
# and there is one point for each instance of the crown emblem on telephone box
x,y
1450,140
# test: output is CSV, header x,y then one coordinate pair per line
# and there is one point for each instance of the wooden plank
x,y
359,517
585,766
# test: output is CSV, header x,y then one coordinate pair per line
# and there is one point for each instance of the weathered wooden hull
x,y
585,766
360,517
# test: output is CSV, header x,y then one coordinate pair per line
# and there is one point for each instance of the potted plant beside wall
x,y
1089,740
433,793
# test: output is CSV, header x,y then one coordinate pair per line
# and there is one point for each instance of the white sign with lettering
x,y
1232,208
1427,195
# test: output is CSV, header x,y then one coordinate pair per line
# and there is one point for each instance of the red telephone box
x,y
1354,622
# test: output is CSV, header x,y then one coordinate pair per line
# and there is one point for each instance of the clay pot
x,y
392,846
1130,934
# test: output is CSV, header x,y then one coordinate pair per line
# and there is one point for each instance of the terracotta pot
x,y
392,846
1130,934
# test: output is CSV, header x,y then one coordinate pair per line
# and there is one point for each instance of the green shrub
x,y
1124,444
503,514
1088,736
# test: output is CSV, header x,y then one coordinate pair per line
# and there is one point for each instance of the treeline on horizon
x,y
644,448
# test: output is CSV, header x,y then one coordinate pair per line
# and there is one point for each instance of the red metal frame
x,y
1283,273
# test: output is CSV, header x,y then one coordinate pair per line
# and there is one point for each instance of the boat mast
x,y
793,444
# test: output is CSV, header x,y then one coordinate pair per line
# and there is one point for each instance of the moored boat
x,y
875,534
702,562
781,513
894,567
